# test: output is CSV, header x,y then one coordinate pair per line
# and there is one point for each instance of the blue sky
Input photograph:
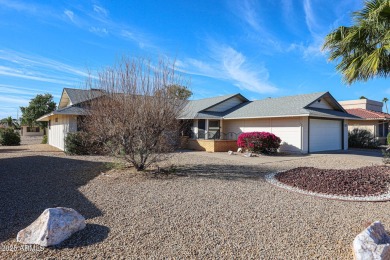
x,y
264,48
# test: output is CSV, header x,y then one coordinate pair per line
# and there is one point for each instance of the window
x,y
383,129
33,129
213,132
56,120
214,124
49,124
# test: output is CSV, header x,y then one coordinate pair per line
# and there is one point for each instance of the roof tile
x,y
367,114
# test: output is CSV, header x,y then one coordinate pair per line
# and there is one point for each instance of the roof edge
x,y
238,94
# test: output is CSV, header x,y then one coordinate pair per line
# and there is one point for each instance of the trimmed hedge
x,y
9,137
260,142
361,138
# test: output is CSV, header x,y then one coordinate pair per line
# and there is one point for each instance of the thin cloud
x,y
94,20
10,89
70,15
99,31
10,72
243,74
37,68
228,64
100,10
310,18
138,37
249,12
32,61
15,100
287,8
18,6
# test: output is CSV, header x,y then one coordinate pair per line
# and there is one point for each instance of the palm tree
x,y
9,122
385,101
363,49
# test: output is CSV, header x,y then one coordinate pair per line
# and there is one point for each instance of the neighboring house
x,y
31,131
371,117
305,123
65,118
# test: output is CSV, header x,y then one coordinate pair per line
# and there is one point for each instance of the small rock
x,y
372,243
248,155
239,150
52,227
230,152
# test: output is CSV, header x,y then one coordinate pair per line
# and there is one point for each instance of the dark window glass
x,y
380,133
201,128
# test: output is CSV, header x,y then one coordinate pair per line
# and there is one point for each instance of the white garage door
x,y
325,135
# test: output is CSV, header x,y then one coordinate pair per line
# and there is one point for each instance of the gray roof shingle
x,y
271,107
194,108
80,95
275,107
71,110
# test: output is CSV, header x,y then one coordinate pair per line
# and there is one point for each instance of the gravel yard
x,y
214,206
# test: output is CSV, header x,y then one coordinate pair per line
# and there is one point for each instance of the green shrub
x,y
9,137
386,156
361,138
388,139
80,143
44,140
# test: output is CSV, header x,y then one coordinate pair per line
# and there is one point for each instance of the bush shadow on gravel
x,y
10,150
30,184
223,172
91,234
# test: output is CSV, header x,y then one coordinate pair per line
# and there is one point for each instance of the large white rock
x,y
52,227
373,243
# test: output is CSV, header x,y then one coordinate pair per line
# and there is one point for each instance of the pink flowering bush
x,y
260,142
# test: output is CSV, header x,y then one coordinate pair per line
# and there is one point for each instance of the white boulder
x,y
373,243
52,227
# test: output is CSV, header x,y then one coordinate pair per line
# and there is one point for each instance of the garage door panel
x,y
325,135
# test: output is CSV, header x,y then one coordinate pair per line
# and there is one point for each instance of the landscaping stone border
x,y
270,178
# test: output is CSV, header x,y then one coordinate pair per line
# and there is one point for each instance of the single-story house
x,y
305,123
371,117
65,118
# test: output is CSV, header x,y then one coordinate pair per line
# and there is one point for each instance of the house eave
x,y
259,117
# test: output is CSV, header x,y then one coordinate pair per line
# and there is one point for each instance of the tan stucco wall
x,y
362,103
25,133
367,125
212,145
292,130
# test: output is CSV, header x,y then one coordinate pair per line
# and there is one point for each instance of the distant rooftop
x,y
368,114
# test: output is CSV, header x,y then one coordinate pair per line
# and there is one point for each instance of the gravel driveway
x,y
215,206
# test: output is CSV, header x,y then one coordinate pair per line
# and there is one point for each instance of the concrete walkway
x,y
374,156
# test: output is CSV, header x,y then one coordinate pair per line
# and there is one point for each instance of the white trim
x,y
259,117
45,116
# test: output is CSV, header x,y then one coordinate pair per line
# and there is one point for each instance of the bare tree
x,y
136,117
